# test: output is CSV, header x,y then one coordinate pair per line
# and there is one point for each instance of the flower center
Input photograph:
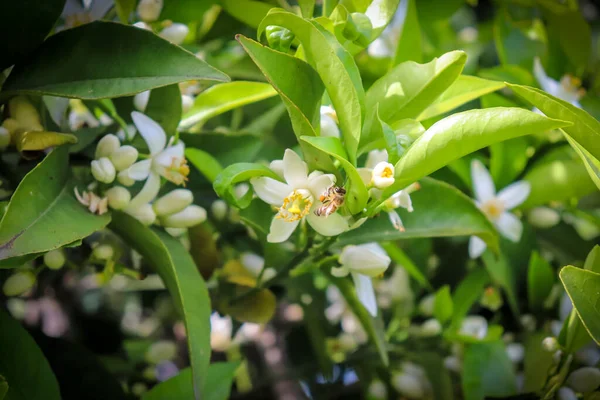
x,y
572,85
387,173
296,206
492,209
178,171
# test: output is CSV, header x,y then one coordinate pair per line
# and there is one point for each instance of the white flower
x,y
94,203
186,218
175,33
255,264
565,393
329,122
412,381
474,326
496,206
568,89
219,209
363,262
173,202
103,170
516,352
377,390
140,100
118,197
382,175
149,10
221,329
144,213
165,160
296,199
399,199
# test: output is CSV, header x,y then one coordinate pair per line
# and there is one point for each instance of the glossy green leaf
x,y
409,88
381,13
32,143
583,287
224,97
301,90
227,148
584,129
573,34
357,194
173,263
43,213
236,173
307,7
105,59
219,379
508,160
164,106
466,88
443,306
186,11
26,29
487,371
22,364
540,279
508,37
501,270
466,294
204,162
538,362
409,40
439,210
3,388
591,163
335,66
250,12
400,258
508,73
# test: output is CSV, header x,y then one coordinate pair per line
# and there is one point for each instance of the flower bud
x,y
187,102
175,33
329,125
219,209
358,28
366,259
377,391
474,326
543,217
144,213
188,217
176,232
103,252
408,385
584,379
55,259
550,344
107,145
140,100
565,393
382,175
19,283
124,178
516,352
279,38
426,305
431,327
173,202
103,170
118,197
149,10
163,350
4,138
124,157
453,363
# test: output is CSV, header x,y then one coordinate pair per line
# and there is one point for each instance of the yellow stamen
x,y
387,172
493,209
295,207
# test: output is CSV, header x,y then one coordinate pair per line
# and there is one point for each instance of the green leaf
x,y
487,371
442,306
409,40
227,148
236,173
538,362
301,90
43,213
501,272
540,279
508,36
466,294
399,257
437,374
583,287
186,11
105,59
26,29
22,364
574,35
307,7
591,163
204,162
409,88
173,263
508,160
3,388
381,13
224,97
32,143
584,128
164,106
357,194
466,88
463,133
372,325
257,307
219,379
335,66
249,12
440,210
508,73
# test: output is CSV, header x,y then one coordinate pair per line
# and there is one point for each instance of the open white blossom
x,y
94,203
382,175
296,199
568,89
496,207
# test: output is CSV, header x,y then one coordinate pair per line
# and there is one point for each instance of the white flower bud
x,y
118,197
103,252
188,217
187,102
408,385
382,175
431,327
528,322
124,178
453,363
329,125
144,213
140,100
4,138
123,157
377,390
175,33
173,202
474,326
103,170
55,259
367,259
107,145
584,379
219,209
19,283
142,25
565,393
550,344
426,305
163,350
176,232
515,352
543,217
149,10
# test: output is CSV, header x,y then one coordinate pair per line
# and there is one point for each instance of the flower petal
x,y
367,259
281,230
277,167
365,292
147,194
153,133
510,226
514,194
365,175
140,170
548,84
375,157
270,191
483,185
320,184
332,225
295,170
476,247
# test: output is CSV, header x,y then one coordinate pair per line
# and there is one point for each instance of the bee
x,y
332,199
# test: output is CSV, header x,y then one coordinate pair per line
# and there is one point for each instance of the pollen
x,y
178,171
387,173
295,207
492,209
